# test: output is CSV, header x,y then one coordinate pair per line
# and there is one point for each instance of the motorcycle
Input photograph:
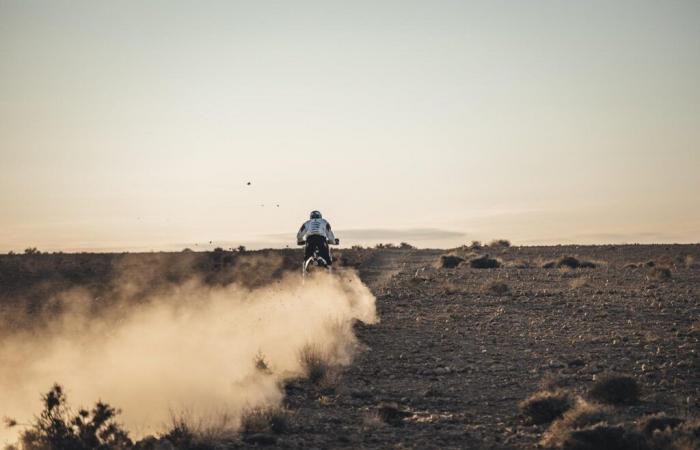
x,y
316,262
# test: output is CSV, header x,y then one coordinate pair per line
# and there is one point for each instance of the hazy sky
x,y
136,125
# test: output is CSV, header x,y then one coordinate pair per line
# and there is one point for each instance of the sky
x,y
131,125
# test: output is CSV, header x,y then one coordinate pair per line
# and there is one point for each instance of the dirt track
x,y
456,361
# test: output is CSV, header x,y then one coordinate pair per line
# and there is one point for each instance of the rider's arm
x,y
302,231
329,234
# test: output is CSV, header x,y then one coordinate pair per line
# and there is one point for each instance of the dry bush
x,y
631,266
545,406
187,432
615,390
582,415
392,414
568,262
450,261
264,420
495,287
500,243
578,283
659,274
484,262
684,435
57,427
313,363
689,262
518,264
650,263
475,245
658,422
261,364
604,437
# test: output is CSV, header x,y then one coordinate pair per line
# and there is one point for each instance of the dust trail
x,y
190,348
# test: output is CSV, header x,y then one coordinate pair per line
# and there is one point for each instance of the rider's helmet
x,y
315,215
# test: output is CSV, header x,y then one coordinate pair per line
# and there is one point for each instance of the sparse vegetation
x,y
603,437
569,262
615,390
578,282
450,261
475,245
484,262
261,364
659,274
495,287
313,363
392,413
500,243
582,415
273,419
658,422
406,246
58,428
544,407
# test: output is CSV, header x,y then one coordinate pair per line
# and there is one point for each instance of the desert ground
x,y
459,347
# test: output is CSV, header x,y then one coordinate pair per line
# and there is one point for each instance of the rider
x,y
317,233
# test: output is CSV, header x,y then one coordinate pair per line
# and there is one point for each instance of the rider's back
x,y
317,227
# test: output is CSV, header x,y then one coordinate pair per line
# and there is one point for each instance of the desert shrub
x,y
484,262
578,283
313,363
450,261
392,413
658,422
266,419
57,428
261,364
499,243
689,262
188,433
495,287
519,264
660,274
615,390
603,437
475,245
544,407
683,436
241,249
650,263
406,246
568,262
31,251
631,266
181,434
582,415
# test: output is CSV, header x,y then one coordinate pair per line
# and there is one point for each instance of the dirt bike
x,y
316,262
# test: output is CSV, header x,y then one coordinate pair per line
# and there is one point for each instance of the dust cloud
x,y
188,349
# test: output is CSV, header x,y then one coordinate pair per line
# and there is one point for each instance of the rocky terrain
x,y
459,348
